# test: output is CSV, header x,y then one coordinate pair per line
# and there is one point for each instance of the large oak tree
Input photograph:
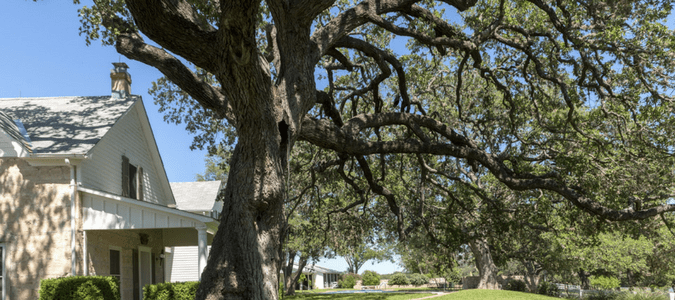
x,y
571,97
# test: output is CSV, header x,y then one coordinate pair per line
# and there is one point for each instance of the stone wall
x,y
99,243
34,224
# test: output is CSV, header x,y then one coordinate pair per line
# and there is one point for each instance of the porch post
x,y
201,244
85,264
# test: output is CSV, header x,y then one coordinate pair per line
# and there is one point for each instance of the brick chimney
x,y
120,80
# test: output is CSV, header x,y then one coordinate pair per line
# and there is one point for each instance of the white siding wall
x,y
182,265
103,170
101,213
318,280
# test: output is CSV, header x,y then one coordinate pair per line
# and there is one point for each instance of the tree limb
x,y
132,46
175,26
346,140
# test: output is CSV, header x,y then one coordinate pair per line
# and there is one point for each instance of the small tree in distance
x,y
370,278
399,279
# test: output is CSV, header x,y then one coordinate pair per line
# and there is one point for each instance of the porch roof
x,y
104,211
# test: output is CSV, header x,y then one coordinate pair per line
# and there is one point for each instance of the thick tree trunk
x,y
584,278
244,258
486,266
533,276
288,273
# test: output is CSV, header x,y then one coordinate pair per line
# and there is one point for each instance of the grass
x,y
424,289
365,296
492,294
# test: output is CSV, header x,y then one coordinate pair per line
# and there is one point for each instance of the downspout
x,y
73,242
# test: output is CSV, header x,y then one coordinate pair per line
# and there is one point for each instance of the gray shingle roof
x,y
195,196
66,125
10,127
314,269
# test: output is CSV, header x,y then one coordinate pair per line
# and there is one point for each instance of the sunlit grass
x,y
359,296
492,294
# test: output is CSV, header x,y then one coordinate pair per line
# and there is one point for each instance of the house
x,y
83,191
200,198
321,278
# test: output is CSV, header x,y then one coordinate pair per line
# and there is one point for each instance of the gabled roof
x,y
195,196
315,269
12,129
66,125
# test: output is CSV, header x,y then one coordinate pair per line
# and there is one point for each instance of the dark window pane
x,y
114,262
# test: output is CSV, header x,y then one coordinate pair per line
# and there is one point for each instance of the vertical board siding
x,y
102,171
184,263
102,213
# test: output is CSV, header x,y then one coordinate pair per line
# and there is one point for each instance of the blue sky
x,y
42,55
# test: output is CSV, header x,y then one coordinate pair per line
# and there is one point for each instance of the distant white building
x,y
199,198
322,278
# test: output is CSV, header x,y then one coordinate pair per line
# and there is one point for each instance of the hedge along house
x,y
83,191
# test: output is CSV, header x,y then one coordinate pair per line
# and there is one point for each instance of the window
x,y
132,180
116,264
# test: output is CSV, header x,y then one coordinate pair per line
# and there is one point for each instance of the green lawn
x,y
359,296
491,294
460,295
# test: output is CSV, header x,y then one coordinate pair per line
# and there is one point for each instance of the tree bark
x,y
291,278
486,266
245,252
584,278
533,276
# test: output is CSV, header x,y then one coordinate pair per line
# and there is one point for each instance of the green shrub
x,y
601,296
348,281
516,285
80,288
371,278
548,289
171,291
399,279
418,279
605,282
454,275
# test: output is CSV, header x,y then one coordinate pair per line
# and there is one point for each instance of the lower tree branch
x,y
345,140
133,47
